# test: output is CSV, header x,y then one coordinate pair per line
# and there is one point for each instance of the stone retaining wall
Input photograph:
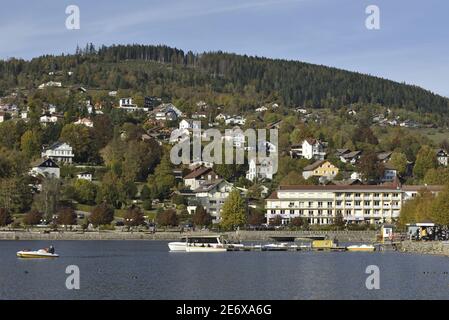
x,y
344,236
431,247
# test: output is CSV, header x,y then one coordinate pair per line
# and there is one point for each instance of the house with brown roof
x,y
200,176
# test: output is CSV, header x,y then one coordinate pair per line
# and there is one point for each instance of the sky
x,y
411,45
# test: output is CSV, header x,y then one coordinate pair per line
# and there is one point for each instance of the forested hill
x,y
177,74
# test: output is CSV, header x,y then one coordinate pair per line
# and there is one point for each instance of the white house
x,y
199,176
85,122
52,109
221,117
260,169
2,116
126,102
48,119
236,120
309,149
261,109
60,152
442,157
211,195
84,176
50,84
237,136
189,124
45,167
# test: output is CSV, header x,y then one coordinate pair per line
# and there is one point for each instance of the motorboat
x,y
363,248
276,247
198,244
39,254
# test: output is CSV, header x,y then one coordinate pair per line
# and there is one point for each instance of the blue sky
x,y
412,45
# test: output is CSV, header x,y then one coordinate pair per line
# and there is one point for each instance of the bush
x,y
66,216
5,217
147,205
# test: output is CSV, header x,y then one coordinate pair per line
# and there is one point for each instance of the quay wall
x,y
431,247
342,236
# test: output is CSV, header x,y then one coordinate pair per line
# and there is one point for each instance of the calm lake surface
x,y
146,270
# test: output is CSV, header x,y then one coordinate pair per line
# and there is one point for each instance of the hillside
x,y
243,81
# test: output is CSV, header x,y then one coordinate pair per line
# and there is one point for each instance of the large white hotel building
x,y
355,203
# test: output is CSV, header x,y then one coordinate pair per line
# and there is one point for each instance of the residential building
x,y
45,119
200,176
260,169
320,168
166,112
390,173
45,167
60,152
384,156
309,149
354,203
2,116
236,120
189,124
350,157
85,122
442,157
84,176
50,84
211,195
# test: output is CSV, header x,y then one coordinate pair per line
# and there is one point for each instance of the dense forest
x,y
227,78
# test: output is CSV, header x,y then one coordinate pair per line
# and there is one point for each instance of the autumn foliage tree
x,y
5,217
201,217
66,216
167,218
134,217
102,214
33,218
234,211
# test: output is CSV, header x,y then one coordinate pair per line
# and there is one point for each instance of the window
x,y
320,204
329,204
367,203
377,203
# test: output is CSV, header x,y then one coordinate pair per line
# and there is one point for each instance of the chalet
x,y
320,168
60,152
309,149
45,167
442,157
199,176
260,169
350,157
384,156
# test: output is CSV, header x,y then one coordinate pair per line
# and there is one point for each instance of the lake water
x,y
146,270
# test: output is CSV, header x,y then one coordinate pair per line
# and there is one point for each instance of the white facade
x,y
46,168
60,152
357,203
84,176
85,122
309,149
48,119
235,121
260,170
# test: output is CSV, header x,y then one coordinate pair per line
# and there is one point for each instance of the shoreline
x,y
425,248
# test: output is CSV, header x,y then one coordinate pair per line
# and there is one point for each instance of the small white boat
x,y
276,247
39,254
363,247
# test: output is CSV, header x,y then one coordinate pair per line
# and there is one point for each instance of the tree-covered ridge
x,y
253,79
